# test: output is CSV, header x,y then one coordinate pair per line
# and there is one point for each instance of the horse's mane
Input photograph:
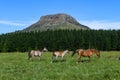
x,y
40,49
74,52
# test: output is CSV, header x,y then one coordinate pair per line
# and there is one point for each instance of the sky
x,y
96,14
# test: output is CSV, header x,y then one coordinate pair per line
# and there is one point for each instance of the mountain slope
x,y
55,22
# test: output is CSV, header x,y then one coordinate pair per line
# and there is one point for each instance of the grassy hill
x,y
15,66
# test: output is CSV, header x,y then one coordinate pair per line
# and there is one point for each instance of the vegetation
x,y
15,66
105,40
60,39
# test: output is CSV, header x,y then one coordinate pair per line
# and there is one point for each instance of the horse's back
x,y
37,53
93,50
33,52
57,53
85,53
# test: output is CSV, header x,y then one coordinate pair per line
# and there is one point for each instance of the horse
x,y
57,54
86,53
38,53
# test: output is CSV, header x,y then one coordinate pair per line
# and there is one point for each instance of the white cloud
x,y
92,24
11,26
101,24
11,23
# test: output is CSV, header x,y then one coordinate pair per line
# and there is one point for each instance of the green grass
x,y
15,66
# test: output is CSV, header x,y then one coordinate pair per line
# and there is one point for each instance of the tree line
x,y
106,40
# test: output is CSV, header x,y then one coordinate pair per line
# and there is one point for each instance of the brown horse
x,y
57,54
86,53
38,53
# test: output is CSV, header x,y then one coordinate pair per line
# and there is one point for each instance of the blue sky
x,y
97,14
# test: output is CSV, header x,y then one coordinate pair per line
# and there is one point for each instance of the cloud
x,y
101,24
92,24
11,23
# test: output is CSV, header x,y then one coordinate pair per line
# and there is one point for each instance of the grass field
x,y
15,66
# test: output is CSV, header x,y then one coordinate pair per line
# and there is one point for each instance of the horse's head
x,y
44,50
96,52
66,51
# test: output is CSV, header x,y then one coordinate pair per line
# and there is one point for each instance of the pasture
x,y
16,66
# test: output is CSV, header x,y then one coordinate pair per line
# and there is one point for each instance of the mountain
x,y
55,22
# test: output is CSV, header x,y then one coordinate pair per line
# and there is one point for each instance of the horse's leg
x,y
32,57
56,57
52,58
89,58
39,57
62,58
79,58
29,55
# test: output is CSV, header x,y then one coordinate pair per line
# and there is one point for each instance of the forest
x,y
104,40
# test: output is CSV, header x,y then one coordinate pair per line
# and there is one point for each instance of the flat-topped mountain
x,y
55,22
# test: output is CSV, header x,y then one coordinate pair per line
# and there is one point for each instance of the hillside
x,y
55,22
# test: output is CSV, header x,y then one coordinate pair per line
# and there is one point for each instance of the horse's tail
x,y
52,56
73,53
99,54
29,54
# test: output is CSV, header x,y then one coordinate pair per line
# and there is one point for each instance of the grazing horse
x,y
86,53
38,53
57,54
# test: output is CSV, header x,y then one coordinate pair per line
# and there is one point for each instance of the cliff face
x,y
55,22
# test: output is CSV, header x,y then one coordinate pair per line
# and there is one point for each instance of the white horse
x,y
38,53
57,54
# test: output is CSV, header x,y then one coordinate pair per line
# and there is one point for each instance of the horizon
x,y
18,15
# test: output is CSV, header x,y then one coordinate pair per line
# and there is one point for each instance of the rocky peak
x,y
58,18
